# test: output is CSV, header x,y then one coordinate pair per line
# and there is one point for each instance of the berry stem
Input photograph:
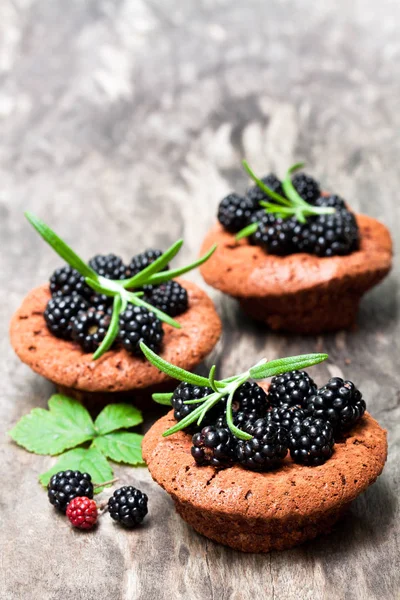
x,y
104,483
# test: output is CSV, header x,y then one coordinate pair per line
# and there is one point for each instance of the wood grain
x,y
122,124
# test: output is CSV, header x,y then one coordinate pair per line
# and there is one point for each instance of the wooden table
x,y
122,124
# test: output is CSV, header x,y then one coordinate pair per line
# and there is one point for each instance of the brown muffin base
x,y
259,512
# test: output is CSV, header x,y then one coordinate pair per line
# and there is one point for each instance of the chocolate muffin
x,y
258,512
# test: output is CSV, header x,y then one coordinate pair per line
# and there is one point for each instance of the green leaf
x,y
117,416
162,261
168,275
295,167
86,460
172,370
247,231
164,399
121,446
277,197
211,379
112,330
188,420
283,365
65,425
229,419
97,287
60,246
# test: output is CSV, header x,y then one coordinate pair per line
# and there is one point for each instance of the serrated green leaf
x,y
68,460
164,399
65,425
172,370
121,446
117,416
284,365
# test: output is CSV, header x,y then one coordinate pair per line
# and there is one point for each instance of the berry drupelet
x,y
128,506
306,187
292,388
137,324
109,266
60,313
256,194
274,234
90,328
67,485
286,416
234,212
214,446
66,281
143,260
82,512
170,297
266,449
311,442
338,402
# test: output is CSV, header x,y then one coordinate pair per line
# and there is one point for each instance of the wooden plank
x,y
123,124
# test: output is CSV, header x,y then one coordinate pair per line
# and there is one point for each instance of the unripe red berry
x,y
82,512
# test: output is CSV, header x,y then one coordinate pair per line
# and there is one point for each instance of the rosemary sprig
x,y
122,291
224,388
293,205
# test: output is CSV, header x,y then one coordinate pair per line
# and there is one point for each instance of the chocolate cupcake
x,y
83,329
295,258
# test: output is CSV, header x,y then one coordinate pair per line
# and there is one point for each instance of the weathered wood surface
x,y
122,123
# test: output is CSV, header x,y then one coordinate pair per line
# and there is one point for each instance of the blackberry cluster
x,y
311,442
323,235
67,485
137,324
109,266
266,449
215,446
292,388
338,402
170,297
143,260
89,329
128,506
60,314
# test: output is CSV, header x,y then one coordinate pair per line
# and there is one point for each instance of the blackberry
x,y
60,313
187,391
214,446
143,260
102,303
335,234
274,234
89,329
109,266
338,402
306,187
255,194
240,420
292,388
128,506
266,449
311,443
170,297
332,201
286,416
250,399
67,281
67,485
234,212
137,324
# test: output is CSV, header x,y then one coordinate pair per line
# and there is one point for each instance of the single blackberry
x,y
286,416
109,266
67,485
170,297
240,419
102,303
274,234
306,187
335,234
89,329
67,281
143,260
128,506
338,402
60,313
256,194
187,391
250,399
82,512
292,388
214,446
311,443
234,212
332,201
266,449
137,324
